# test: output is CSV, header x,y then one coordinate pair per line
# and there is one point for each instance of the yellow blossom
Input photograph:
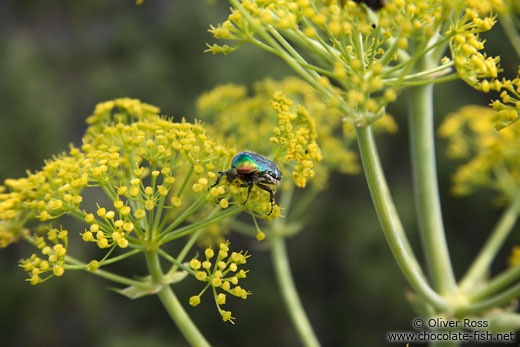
x,y
490,154
217,276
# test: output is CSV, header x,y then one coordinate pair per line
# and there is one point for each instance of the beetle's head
x,y
231,174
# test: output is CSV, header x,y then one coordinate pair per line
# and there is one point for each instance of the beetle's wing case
x,y
266,168
245,162
268,165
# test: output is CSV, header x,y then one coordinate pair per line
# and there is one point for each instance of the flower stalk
x,y
422,143
289,292
480,266
172,304
390,222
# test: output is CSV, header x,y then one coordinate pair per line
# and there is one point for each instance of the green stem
x,y
501,299
188,229
389,220
176,262
78,264
104,274
173,305
194,207
185,250
511,32
443,79
310,45
120,257
289,292
425,73
422,143
308,76
493,244
185,182
501,281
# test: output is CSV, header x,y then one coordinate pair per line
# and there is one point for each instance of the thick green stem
x,y
173,305
389,220
289,292
422,143
493,244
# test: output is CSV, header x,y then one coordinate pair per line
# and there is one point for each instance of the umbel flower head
x,y
220,273
300,126
491,156
290,128
154,173
358,57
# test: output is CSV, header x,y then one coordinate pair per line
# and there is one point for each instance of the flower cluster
x,y
124,110
223,273
232,111
55,253
296,135
8,234
356,59
473,66
154,173
492,156
508,107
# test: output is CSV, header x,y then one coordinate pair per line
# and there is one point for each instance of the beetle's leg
x,y
271,195
220,175
250,185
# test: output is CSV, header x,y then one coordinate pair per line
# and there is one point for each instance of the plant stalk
x,y
389,220
289,292
493,244
173,305
422,143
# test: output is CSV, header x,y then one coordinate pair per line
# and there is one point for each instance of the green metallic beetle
x,y
253,169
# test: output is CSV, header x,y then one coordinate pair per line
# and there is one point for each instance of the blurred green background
x,y
58,59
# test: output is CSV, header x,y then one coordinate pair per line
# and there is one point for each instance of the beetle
x,y
253,169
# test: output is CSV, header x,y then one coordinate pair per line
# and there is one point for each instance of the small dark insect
x,y
373,4
253,169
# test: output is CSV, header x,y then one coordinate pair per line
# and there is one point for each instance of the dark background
x,y
58,59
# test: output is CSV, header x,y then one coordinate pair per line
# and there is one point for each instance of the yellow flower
x,y
142,162
218,276
296,134
491,155
318,120
194,300
54,266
